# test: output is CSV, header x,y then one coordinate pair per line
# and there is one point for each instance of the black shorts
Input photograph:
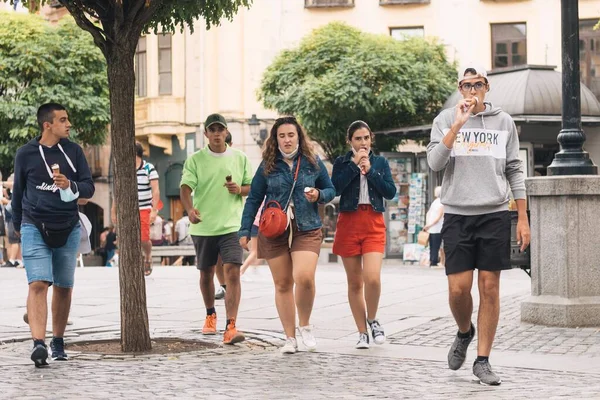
x,y
208,249
477,241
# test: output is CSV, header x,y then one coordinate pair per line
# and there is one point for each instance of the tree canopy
x,y
116,26
107,20
339,74
40,62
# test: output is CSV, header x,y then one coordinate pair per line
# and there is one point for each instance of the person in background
x,y
433,224
101,249
3,231
110,246
156,231
183,238
168,231
148,200
252,258
12,240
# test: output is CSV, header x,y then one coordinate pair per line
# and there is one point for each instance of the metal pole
x,y
571,159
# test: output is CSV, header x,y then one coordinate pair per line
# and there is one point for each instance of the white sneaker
x,y
377,332
220,293
363,341
308,338
290,346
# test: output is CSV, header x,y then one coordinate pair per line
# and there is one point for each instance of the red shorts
x,y
145,224
359,232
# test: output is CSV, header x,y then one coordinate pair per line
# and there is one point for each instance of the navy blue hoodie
x,y
35,196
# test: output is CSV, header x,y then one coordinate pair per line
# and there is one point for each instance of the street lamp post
x,y
571,159
259,135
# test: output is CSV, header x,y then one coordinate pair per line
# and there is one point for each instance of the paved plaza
x,y
534,362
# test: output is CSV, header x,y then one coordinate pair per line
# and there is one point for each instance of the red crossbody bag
x,y
273,221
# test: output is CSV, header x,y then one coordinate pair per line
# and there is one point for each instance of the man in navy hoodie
x,y
51,173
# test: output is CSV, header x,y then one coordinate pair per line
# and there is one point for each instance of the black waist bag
x,y
56,234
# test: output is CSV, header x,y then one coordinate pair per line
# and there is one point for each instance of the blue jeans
x,y
45,264
109,255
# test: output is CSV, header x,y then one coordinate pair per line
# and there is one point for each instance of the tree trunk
x,y
135,333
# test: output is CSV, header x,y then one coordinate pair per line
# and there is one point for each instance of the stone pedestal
x,y
565,251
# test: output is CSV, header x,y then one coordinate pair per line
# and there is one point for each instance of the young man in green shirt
x,y
217,177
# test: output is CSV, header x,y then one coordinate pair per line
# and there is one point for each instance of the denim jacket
x,y
277,185
346,179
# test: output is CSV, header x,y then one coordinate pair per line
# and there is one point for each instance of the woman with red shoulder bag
x,y
292,180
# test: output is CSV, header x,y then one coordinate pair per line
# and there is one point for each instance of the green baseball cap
x,y
215,119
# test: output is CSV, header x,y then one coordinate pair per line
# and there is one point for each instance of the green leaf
x,y
338,74
39,63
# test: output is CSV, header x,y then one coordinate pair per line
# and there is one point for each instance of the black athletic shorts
x,y
477,241
208,249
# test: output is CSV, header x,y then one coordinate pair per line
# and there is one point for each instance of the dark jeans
x,y
435,241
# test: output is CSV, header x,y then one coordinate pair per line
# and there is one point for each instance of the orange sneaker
x,y
210,325
232,335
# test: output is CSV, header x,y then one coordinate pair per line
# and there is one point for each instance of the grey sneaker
x,y
483,371
458,351
39,355
220,293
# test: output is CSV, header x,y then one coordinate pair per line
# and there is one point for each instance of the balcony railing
x,y
328,3
394,2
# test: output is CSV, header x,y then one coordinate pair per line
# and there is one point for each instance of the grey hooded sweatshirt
x,y
481,166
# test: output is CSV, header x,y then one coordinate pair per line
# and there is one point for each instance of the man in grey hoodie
x,y
478,145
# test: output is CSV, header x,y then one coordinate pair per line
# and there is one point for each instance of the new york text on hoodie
x,y
481,166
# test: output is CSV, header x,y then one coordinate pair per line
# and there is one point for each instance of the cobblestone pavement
x,y
535,362
512,335
269,375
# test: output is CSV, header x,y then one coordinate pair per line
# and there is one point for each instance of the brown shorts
x,y
301,241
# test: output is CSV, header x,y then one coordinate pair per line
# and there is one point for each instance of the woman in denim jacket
x,y
363,180
292,257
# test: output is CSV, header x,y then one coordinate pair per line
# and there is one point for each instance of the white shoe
x,y
377,332
220,293
363,341
290,346
308,338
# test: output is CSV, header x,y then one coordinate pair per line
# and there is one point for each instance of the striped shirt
x,y
145,174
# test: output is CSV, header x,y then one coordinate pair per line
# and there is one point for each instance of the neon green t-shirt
x,y
204,172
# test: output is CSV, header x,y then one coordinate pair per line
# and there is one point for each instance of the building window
x,y
509,45
407,33
392,2
165,77
328,3
589,55
141,68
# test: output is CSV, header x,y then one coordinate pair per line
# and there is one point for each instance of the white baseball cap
x,y
480,72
